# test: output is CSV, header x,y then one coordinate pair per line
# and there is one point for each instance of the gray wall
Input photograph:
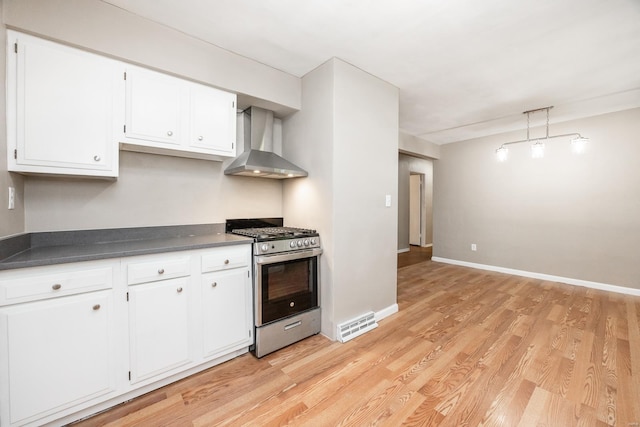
x,y
574,216
346,135
406,165
151,190
11,221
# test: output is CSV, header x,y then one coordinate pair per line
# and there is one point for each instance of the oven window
x,y
287,278
288,288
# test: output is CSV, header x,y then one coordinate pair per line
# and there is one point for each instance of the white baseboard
x,y
386,312
428,245
403,250
567,280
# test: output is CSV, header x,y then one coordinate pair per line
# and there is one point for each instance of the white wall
x,y
573,216
347,137
151,190
417,147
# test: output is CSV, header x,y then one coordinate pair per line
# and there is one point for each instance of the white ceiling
x,y
465,68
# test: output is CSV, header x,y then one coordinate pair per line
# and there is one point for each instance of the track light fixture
x,y
578,143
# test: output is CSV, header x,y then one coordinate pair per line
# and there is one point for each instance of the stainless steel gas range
x,y
286,281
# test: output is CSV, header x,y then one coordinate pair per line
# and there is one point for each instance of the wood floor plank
x,y
467,347
633,378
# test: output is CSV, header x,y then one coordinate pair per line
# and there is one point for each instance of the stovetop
x,y
262,234
271,237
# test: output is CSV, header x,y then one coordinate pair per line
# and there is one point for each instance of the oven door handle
x,y
289,256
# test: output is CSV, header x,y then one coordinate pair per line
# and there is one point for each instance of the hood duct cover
x,y
258,159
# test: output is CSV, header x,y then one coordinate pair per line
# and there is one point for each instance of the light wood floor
x,y
467,348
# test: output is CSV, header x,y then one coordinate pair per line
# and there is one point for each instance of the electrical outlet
x,y
474,247
12,198
387,200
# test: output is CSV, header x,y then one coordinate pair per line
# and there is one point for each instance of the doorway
x,y
415,202
416,214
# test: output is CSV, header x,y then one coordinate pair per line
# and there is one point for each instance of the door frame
x,y
420,208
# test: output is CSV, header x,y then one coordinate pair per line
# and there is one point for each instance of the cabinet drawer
x,y
158,269
224,259
44,284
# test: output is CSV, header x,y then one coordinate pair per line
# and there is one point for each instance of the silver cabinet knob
x,y
96,158
200,138
161,271
170,133
56,286
96,307
214,284
226,261
179,290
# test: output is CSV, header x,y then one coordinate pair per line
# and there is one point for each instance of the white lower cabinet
x,y
78,338
159,328
226,310
56,354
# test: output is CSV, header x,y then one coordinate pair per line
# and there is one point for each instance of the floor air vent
x,y
356,327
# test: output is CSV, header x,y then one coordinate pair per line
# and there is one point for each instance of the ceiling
x,y
465,68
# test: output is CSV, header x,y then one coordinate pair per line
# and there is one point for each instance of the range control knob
x,y
299,243
264,247
313,241
292,244
306,242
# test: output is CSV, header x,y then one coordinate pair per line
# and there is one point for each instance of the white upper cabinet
x,y
69,111
63,109
213,120
167,115
154,107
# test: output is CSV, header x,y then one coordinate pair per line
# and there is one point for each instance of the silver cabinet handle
x,y
200,138
96,158
170,133
96,307
161,271
179,289
226,261
214,284
56,286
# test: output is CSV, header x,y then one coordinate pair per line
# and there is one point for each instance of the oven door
x,y
286,284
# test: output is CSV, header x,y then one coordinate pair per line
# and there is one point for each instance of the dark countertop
x,y
37,249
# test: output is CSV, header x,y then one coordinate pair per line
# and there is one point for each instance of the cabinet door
x,y
62,109
226,308
154,107
59,353
159,328
213,120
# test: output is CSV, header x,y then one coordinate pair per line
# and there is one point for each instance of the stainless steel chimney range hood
x,y
258,159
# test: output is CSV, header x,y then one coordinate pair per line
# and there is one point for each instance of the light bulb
x,y
537,150
502,153
579,144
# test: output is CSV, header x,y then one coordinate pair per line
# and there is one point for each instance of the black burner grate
x,y
274,232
